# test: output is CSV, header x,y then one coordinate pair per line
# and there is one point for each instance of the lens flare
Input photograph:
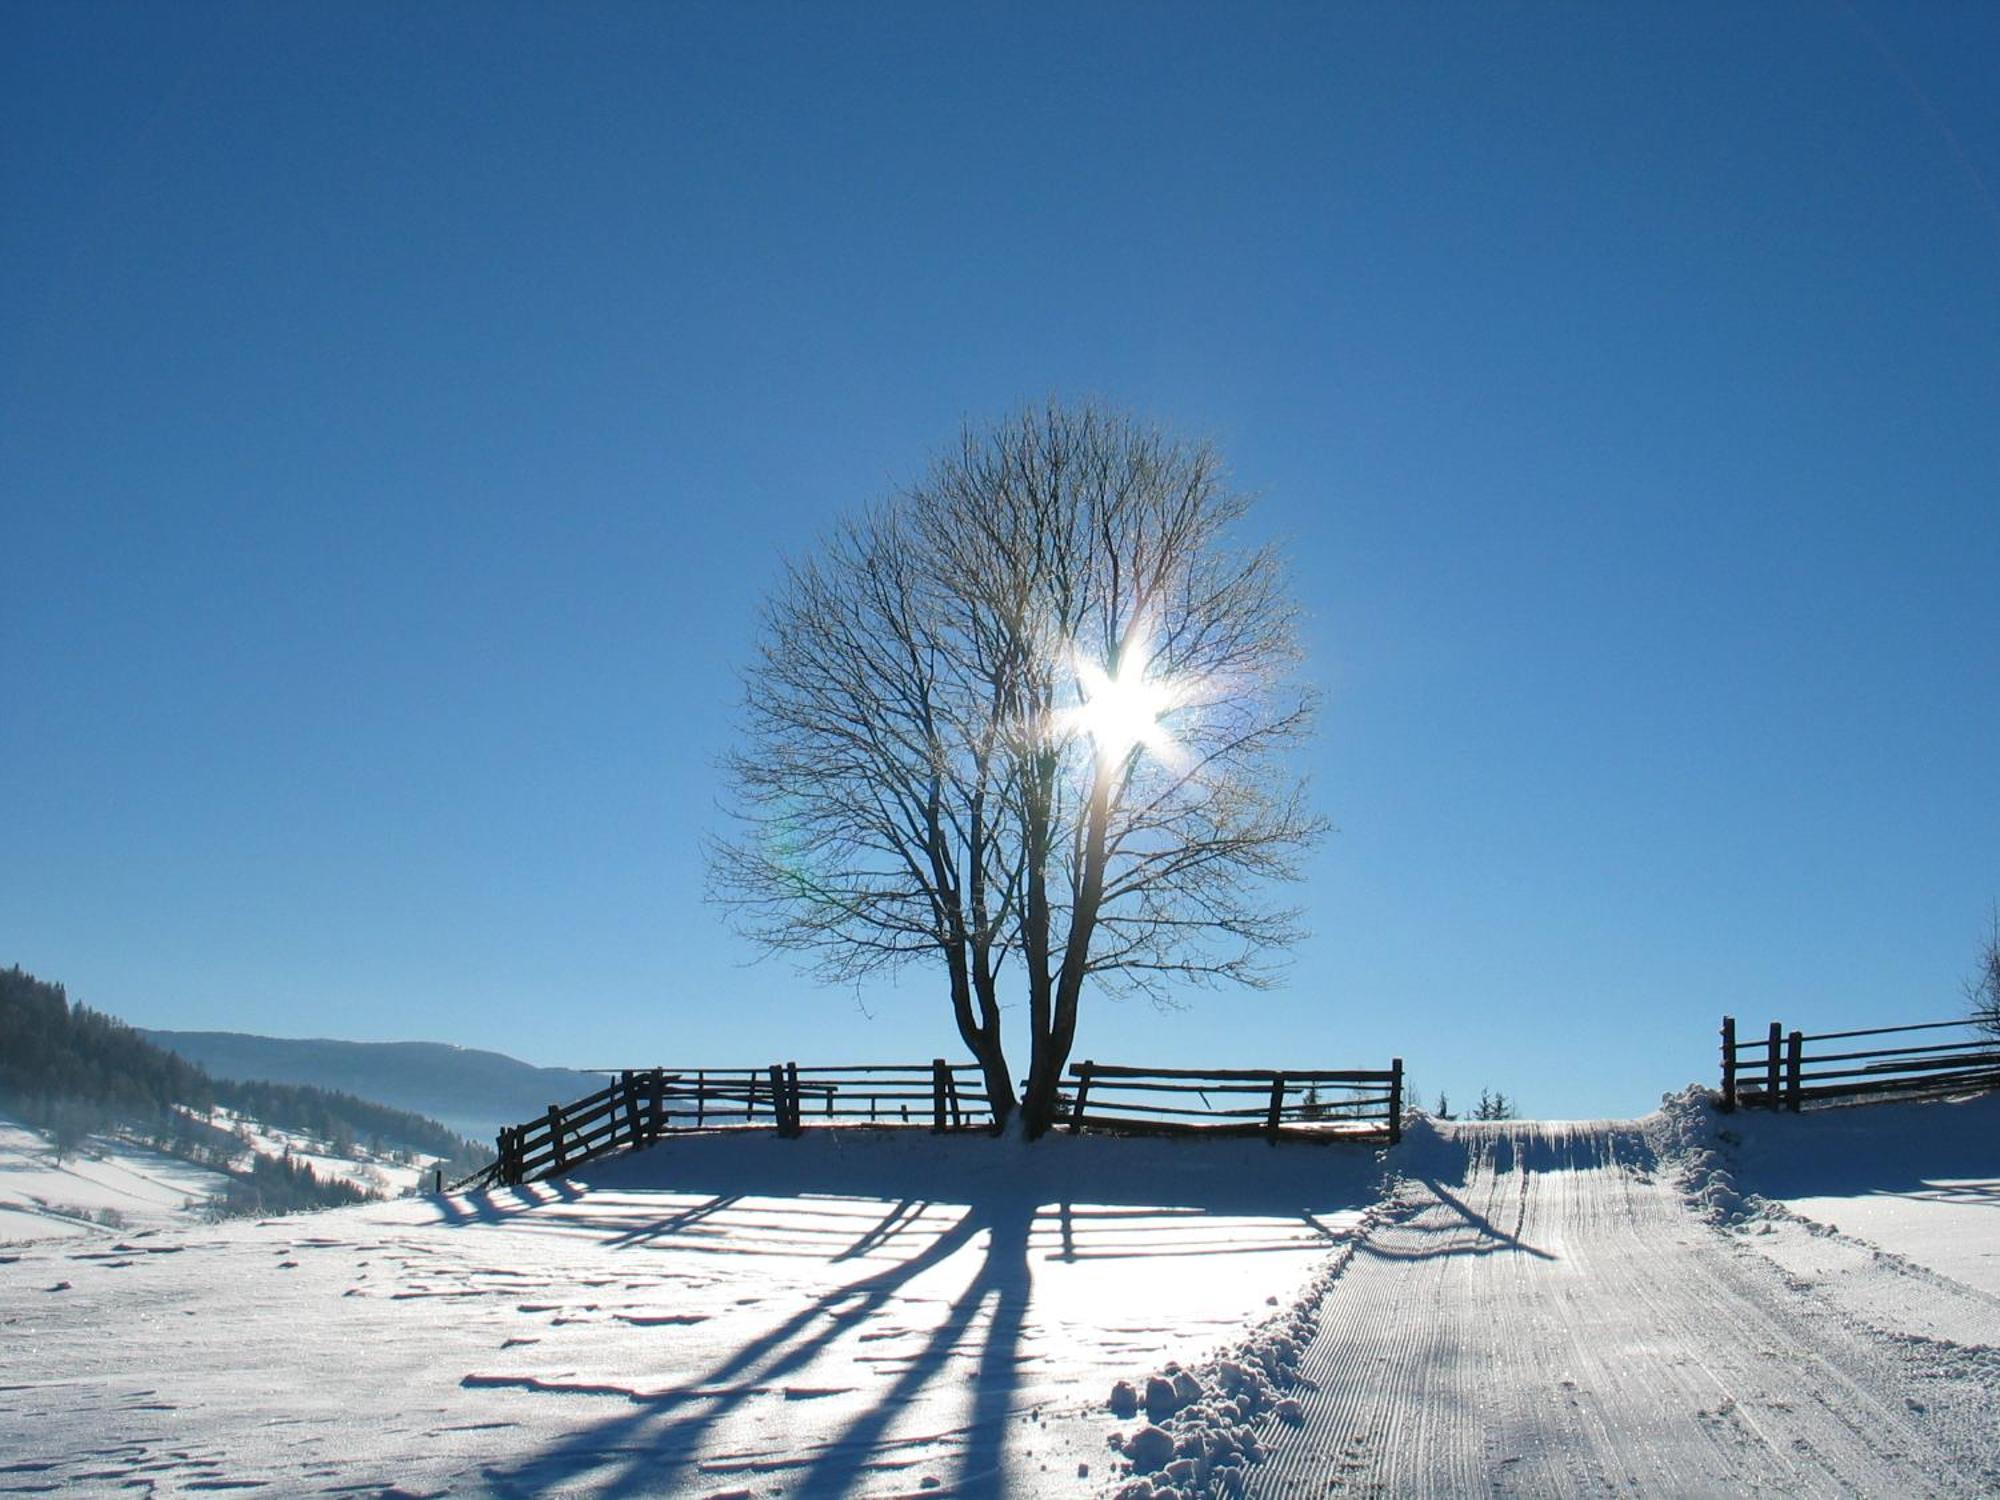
x,y
1122,710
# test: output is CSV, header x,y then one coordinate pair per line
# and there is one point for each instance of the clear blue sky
x,y
403,409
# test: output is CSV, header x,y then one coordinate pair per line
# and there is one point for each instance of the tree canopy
x,y
1029,719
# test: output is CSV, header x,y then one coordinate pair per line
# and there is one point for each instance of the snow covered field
x,y
1920,1181
379,1174
104,1189
847,1312
111,1185
1522,1308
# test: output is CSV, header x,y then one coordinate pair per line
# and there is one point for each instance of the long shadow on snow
x,y
1447,1162
1154,1195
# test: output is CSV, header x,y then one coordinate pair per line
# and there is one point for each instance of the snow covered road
x,y
1543,1315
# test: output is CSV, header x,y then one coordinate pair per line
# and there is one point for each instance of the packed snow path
x,y
1543,1315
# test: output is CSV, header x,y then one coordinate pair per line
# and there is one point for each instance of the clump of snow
x,y
1688,1136
1203,1426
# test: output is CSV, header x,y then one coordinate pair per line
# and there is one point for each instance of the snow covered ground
x,y
110,1185
1516,1308
1890,1211
851,1312
104,1189
382,1175
1542,1313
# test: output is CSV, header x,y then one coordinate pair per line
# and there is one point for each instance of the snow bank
x,y
1205,1426
1890,1209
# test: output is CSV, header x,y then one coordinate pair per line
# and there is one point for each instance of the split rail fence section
x,y
1788,1070
1242,1101
638,1108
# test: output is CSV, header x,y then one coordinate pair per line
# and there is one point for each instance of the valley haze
x,y
471,1091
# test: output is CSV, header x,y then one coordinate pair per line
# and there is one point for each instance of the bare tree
x,y
1030,718
1982,990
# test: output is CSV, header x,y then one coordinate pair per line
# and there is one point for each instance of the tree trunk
x,y
1055,1029
981,1031
992,1058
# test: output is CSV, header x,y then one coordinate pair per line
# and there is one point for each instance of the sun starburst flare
x,y
1121,710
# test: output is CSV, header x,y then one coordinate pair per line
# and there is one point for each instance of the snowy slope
x,y
107,1187
112,1185
1920,1180
381,1175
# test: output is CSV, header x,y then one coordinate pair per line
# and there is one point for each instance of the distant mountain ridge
x,y
471,1091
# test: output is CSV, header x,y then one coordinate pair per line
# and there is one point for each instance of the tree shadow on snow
x,y
852,1201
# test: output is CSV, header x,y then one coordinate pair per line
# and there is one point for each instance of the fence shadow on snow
x,y
848,1203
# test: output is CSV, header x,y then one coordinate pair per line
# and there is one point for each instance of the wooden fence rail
x,y
639,1108
1237,1101
1790,1069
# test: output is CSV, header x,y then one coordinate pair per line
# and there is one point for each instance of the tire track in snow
x,y
1543,1315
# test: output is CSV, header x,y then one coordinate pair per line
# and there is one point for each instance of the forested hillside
x,y
52,1050
68,1068
472,1091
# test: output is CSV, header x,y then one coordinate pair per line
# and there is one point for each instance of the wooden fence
x,y
638,1108
1789,1070
1240,1101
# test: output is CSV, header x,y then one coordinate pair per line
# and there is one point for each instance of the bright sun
x,y
1123,711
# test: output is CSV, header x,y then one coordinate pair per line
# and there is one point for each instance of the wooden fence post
x,y
1082,1093
940,1077
1728,1064
1395,1100
700,1098
1794,1047
1777,1042
633,1139
794,1107
656,1116
778,1097
750,1108
1277,1105
560,1159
